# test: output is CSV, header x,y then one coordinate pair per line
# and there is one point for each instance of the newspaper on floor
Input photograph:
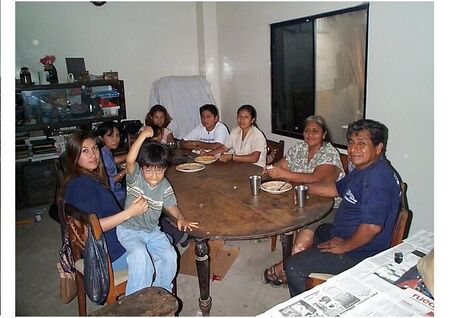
x,y
387,284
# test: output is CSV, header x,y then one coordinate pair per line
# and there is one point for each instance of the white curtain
x,y
182,96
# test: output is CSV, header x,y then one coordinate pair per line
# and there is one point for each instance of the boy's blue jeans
x,y
148,252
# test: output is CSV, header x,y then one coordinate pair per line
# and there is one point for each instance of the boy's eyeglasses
x,y
153,170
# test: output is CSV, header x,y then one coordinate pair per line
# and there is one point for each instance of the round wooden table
x,y
219,198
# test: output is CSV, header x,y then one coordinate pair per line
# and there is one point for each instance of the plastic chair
x,y
399,233
76,224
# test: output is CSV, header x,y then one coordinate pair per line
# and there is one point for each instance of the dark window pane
x,y
293,76
319,68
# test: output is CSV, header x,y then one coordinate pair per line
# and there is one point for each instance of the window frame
x,y
273,28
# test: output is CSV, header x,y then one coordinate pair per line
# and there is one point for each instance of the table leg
x,y
202,261
286,243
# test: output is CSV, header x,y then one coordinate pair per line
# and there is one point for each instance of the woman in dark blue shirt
x,y
86,187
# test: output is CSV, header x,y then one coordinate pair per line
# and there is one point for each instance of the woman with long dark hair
x,y
86,187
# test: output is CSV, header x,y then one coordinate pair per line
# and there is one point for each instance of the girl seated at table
x,y
246,142
109,137
158,116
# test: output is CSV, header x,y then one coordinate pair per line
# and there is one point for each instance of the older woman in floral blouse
x,y
311,160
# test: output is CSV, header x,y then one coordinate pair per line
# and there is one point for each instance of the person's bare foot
x,y
274,275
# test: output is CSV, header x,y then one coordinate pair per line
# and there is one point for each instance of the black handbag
x,y
96,275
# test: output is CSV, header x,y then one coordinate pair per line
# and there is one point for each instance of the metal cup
x,y
300,193
255,183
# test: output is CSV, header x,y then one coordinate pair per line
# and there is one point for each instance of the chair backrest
x,y
344,160
275,151
76,222
404,218
77,226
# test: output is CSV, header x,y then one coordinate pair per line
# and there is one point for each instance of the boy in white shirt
x,y
210,134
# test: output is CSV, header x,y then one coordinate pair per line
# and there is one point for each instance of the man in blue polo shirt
x,y
365,219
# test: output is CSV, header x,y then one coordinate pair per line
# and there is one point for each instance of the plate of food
x,y
190,167
276,187
205,159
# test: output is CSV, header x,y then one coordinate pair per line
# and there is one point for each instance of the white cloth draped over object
x,y
182,96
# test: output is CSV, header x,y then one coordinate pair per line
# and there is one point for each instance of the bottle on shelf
x,y
25,76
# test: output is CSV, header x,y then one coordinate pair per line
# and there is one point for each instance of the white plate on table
x,y
274,187
190,167
206,160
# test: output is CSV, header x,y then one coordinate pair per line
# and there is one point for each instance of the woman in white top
x,y
246,142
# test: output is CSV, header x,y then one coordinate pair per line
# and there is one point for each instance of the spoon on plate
x,y
282,186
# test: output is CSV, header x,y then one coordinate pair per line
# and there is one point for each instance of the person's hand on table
x,y
266,168
334,246
184,225
274,172
225,157
204,152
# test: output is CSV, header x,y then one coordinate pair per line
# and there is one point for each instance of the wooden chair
x,y
344,160
275,151
76,224
400,232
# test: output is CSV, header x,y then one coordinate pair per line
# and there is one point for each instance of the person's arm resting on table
x,y
322,173
323,189
182,223
251,158
197,144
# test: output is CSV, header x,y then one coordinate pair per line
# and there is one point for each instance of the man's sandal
x,y
270,277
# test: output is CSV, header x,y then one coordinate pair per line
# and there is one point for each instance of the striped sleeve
x,y
169,198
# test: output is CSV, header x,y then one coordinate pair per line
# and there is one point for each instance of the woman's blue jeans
x,y
147,253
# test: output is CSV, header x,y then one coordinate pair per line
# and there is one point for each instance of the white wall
x,y
399,83
400,94
143,41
